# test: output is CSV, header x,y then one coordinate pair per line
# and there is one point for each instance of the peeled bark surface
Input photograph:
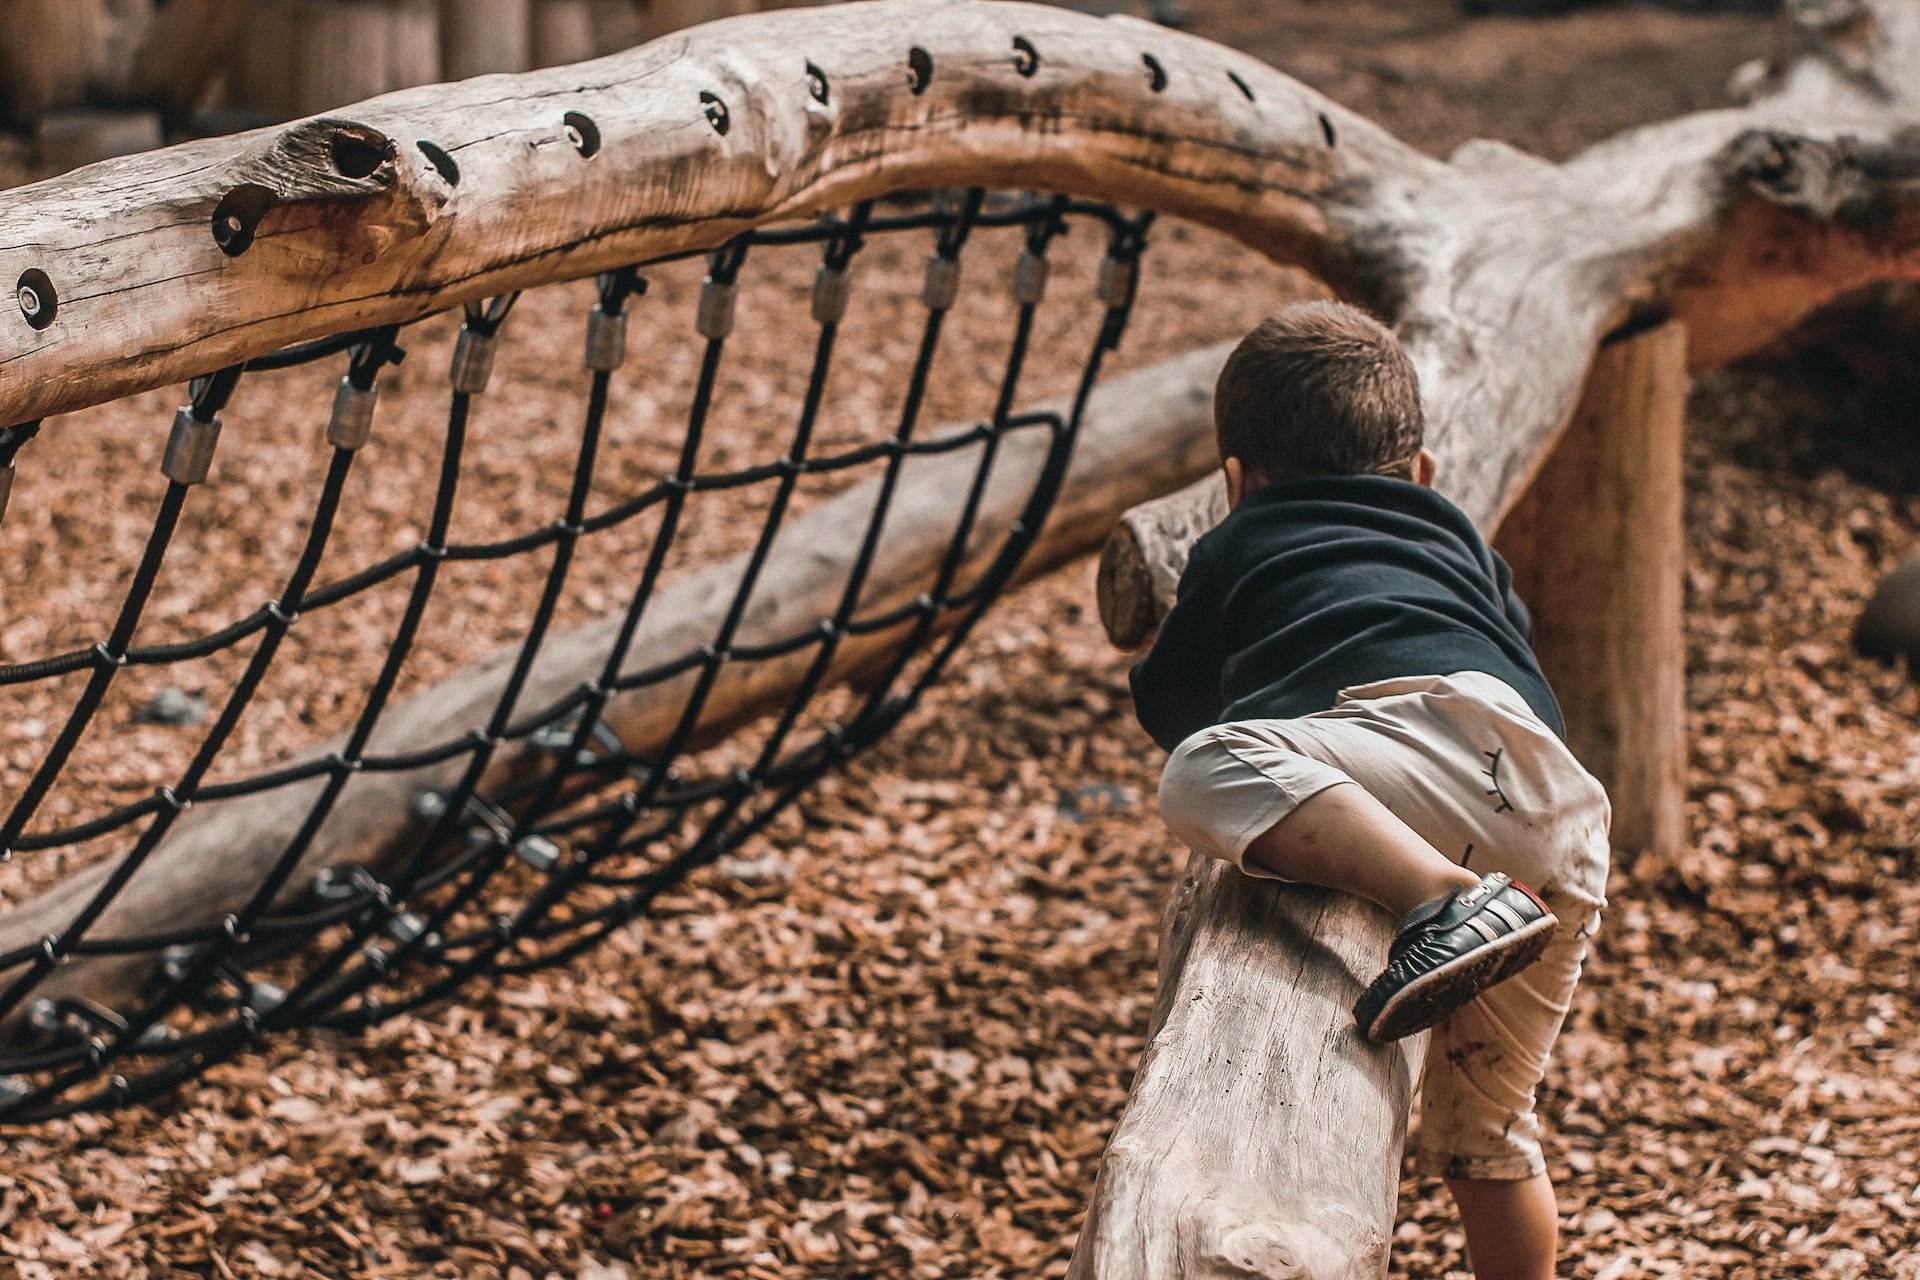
x,y
1262,1137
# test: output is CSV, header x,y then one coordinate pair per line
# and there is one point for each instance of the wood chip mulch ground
x,y
891,1038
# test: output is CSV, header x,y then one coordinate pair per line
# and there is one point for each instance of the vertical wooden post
x,y
664,16
617,25
1598,552
261,77
182,48
346,50
563,32
413,43
50,52
479,37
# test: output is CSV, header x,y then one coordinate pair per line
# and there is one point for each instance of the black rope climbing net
x,y
498,877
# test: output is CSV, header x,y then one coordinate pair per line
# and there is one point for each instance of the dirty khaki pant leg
x,y
1463,761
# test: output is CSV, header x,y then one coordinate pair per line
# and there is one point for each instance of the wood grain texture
x,y
148,297
1599,554
1262,1136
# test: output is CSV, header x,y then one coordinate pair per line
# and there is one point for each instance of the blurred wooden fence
x,y
94,78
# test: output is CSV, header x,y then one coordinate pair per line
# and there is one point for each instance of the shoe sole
x,y
1431,997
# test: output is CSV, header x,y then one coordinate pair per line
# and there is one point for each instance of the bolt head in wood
x,y
352,421
473,362
190,448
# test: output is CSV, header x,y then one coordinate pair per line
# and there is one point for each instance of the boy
x,y
1347,689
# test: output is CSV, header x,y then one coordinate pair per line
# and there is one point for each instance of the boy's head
x,y
1319,389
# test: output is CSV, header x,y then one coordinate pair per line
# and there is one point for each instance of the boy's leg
x,y
1475,775
1342,838
1513,1228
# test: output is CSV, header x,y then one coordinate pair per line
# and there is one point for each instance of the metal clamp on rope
x,y
473,361
942,287
489,825
6,488
715,317
352,421
831,290
1029,279
554,738
606,340
1117,276
77,1019
189,455
345,883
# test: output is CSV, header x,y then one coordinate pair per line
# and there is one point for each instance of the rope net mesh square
x,y
531,827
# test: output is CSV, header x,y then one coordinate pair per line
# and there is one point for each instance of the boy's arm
x,y
1176,687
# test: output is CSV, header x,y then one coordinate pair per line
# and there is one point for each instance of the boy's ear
x,y
1423,468
1236,481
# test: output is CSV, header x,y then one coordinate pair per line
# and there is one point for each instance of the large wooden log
x,y
1599,554
1738,221
1232,1156
1142,435
1262,1136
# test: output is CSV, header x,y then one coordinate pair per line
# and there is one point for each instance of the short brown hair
x,y
1319,388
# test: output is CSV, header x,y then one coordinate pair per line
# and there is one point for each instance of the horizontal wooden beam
x,y
171,264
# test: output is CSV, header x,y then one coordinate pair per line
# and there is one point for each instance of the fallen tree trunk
x,y
1261,1136
1142,434
1233,1157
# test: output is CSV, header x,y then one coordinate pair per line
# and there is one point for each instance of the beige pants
x,y
1463,761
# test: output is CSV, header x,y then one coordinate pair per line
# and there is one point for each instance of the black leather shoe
x,y
1449,950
